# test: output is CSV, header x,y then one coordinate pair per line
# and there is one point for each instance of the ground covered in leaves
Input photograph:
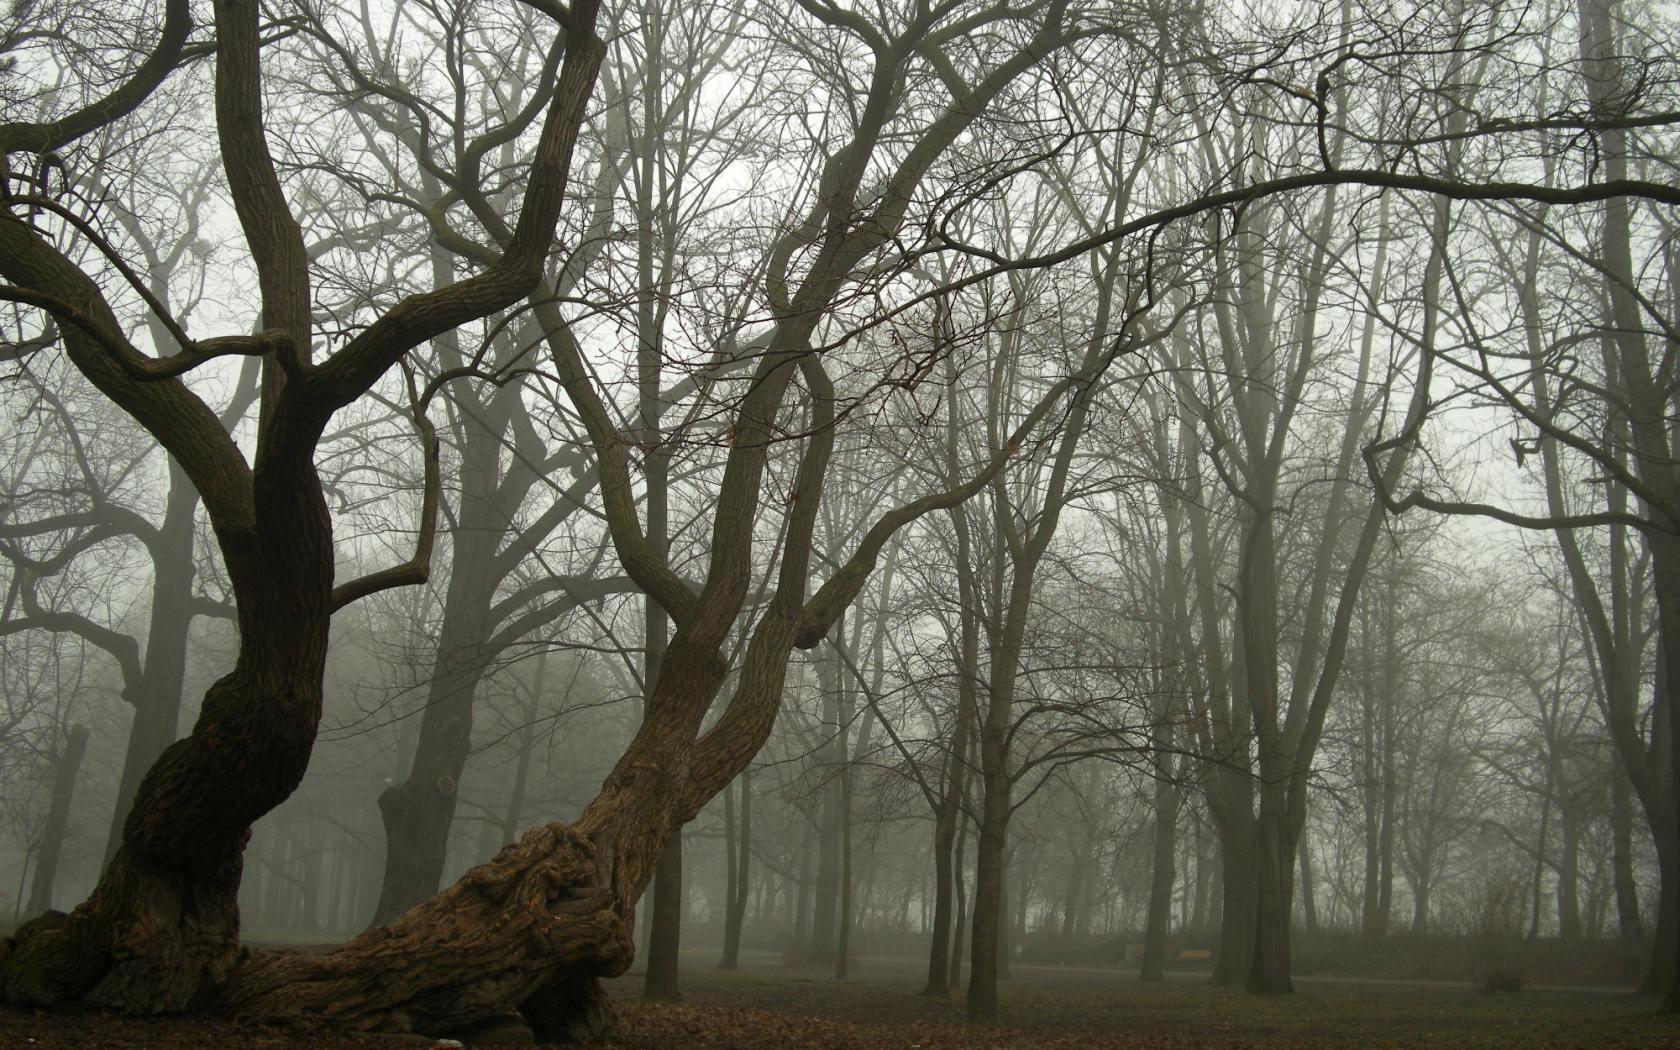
x,y
769,1006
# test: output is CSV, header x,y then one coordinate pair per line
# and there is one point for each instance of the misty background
x,y
1237,622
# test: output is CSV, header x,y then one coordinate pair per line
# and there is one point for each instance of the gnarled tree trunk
x,y
160,932
549,915
535,923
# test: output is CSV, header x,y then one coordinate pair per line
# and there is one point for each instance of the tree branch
x,y
46,136
418,569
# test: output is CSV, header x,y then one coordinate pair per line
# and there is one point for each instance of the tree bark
x,y
159,933
1072,894
1007,928
665,919
540,916
550,914
1023,549
1198,919
825,892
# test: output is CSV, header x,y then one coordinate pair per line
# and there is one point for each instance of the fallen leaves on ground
x,y
659,1026
777,1010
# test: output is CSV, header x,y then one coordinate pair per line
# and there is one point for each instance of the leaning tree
x,y
905,119
552,912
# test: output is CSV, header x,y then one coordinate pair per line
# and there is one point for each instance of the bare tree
x,y
160,932
925,116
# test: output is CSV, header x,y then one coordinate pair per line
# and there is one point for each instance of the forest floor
x,y
772,1006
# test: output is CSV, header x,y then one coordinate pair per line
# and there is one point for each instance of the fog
x,y
502,493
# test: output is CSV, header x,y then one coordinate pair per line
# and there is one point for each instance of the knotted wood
x,y
541,915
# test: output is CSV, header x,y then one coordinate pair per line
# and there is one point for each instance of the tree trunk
x,y
826,899
1420,905
665,924
736,912
1237,900
825,892
1198,922
743,860
160,931
1538,883
1274,862
1660,817
1006,928
1630,935
1309,905
1665,571
418,812
309,897
513,815
1569,877
1153,965
843,937
1381,776
1373,920
538,915
1665,934
959,928
666,913
157,703
1072,894
802,907
65,771
988,891
944,961
944,890
1216,898
550,914
1372,923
